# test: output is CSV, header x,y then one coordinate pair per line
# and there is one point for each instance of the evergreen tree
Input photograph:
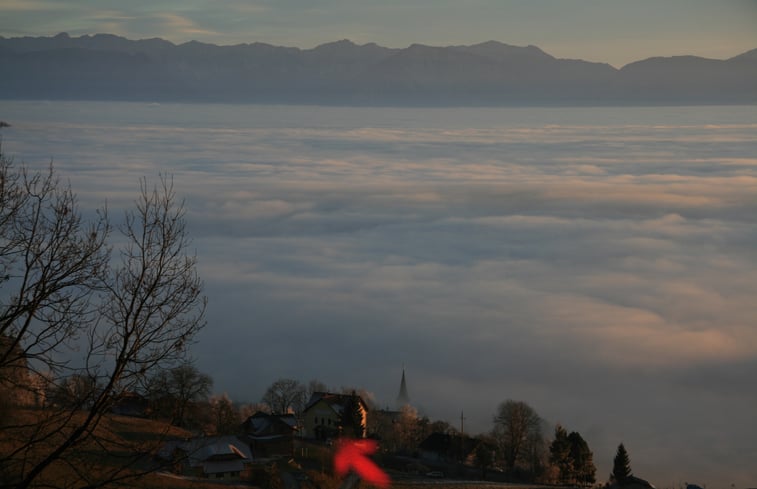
x,y
584,470
571,455
621,465
352,417
559,455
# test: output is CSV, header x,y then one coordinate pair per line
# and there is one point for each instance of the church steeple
x,y
403,399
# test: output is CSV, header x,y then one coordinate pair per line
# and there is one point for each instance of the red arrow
x,y
353,454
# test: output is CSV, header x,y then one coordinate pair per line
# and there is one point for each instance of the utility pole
x,y
462,435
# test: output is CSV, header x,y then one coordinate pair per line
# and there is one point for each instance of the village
x,y
410,446
297,429
218,441
293,432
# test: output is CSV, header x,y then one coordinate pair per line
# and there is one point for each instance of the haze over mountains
x,y
108,67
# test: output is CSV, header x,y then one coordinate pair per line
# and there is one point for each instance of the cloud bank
x,y
598,264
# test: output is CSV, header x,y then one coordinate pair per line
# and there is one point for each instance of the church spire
x,y
403,399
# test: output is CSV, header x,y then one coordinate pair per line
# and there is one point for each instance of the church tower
x,y
403,399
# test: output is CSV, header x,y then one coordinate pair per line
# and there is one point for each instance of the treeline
x,y
518,447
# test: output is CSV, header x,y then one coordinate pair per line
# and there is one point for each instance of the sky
x,y
596,263
610,31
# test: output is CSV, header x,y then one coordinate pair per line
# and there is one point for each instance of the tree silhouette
x,y
172,392
571,455
621,465
225,415
559,454
352,417
85,320
582,460
484,454
517,429
285,396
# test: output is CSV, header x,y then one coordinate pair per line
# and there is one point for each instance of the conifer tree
x,y
559,454
352,417
584,470
571,455
621,465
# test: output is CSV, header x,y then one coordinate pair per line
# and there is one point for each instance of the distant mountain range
x,y
108,67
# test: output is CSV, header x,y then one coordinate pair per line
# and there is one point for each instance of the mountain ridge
x,y
107,66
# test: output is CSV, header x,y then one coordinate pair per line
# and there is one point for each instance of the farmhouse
x,y
216,457
327,415
270,435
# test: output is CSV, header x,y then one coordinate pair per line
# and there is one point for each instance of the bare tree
x,y
517,431
69,310
172,392
314,386
367,396
51,267
248,409
285,396
74,392
225,415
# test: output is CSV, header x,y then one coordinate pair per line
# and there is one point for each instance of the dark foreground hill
x,y
107,67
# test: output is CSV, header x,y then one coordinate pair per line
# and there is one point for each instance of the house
x,y
631,482
382,421
327,415
270,435
14,373
216,457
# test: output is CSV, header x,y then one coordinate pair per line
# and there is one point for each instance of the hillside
x,y
108,67
123,450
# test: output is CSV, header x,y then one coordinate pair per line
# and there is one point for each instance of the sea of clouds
x,y
599,264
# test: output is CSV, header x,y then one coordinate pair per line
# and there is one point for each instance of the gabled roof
x,y
263,424
202,451
638,482
632,482
337,402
